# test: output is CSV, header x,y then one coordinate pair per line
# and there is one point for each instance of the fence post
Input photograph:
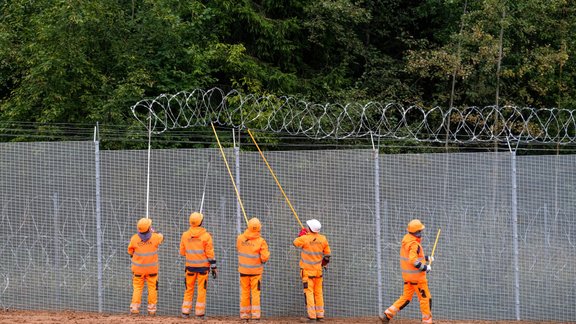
x,y
98,220
57,248
378,229
238,210
515,238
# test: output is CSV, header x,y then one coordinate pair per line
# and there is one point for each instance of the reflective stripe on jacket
x,y
411,252
196,245
252,253
314,247
145,254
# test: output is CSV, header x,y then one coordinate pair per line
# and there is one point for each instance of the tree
x,y
536,47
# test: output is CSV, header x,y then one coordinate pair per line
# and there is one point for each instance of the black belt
x,y
150,275
197,269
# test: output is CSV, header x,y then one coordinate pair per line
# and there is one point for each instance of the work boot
x,y
132,313
185,315
320,319
307,320
200,318
152,314
384,318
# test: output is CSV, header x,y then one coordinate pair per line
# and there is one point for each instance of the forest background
x,y
66,65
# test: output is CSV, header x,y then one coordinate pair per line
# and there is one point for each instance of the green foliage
x,y
82,62
536,50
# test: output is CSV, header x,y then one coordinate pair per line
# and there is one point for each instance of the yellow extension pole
x,y
230,174
436,242
275,179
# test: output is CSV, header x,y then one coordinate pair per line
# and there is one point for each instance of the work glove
x,y
214,271
325,261
303,232
427,268
429,258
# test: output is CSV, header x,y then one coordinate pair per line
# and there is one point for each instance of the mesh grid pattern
x,y
472,276
48,257
48,252
547,235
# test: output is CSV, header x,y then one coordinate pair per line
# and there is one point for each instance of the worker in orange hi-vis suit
x,y
414,270
315,256
197,246
143,249
253,253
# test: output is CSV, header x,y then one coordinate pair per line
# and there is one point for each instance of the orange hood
x,y
250,234
196,231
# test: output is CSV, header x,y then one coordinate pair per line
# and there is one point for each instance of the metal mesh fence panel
x,y
48,256
547,236
321,189
468,196
335,187
48,248
176,188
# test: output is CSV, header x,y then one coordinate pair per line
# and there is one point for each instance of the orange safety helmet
x,y
144,225
196,219
254,225
415,225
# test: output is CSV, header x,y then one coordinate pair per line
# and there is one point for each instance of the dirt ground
x,y
69,317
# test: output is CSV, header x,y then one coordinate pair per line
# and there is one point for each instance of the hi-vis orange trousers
x,y
191,279
250,285
138,284
314,295
423,293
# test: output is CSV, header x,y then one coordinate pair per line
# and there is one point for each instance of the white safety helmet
x,y
314,225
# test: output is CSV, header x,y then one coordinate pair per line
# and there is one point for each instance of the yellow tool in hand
x,y
436,242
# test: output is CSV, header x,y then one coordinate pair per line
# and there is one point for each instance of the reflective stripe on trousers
x,y
138,286
192,279
424,297
250,296
314,296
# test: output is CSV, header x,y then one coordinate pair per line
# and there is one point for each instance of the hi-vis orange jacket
x,y
145,254
314,247
252,253
410,253
196,244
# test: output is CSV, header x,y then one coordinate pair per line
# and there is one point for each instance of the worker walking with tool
x,y
314,256
197,246
253,253
143,250
413,264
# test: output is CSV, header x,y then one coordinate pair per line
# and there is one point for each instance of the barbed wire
x,y
286,114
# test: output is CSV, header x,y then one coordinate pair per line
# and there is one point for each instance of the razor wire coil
x,y
286,114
